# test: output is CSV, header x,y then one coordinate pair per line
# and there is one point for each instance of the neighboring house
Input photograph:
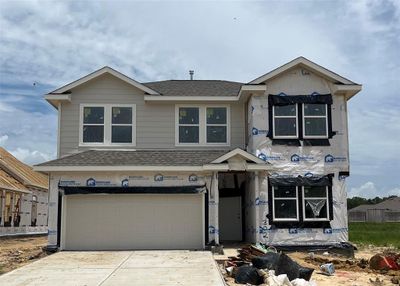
x,y
179,164
386,211
23,197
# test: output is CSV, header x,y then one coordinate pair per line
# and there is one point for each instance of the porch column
x,y
257,198
3,206
52,215
216,209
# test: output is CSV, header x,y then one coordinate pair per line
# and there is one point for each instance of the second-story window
x,y
216,125
107,124
202,125
189,125
285,121
93,124
315,121
121,125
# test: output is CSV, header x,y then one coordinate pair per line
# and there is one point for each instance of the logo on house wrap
x,y
297,158
293,231
212,230
260,202
158,178
193,178
327,231
331,159
90,182
125,183
265,157
256,131
308,175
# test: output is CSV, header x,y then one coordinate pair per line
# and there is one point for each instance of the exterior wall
x,y
155,126
25,214
311,159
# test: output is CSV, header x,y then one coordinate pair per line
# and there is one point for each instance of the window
x,y
189,125
121,125
93,124
315,203
106,124
202,125
285,203
216,125
315,121
300,206
285,121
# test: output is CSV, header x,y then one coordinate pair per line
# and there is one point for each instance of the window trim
x,y
281,198
285,116
315,198
203,125
107,125
315,116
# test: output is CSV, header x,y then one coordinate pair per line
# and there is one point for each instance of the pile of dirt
x,y
17,251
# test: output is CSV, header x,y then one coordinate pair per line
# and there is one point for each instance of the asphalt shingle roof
x,y
195,87
138,158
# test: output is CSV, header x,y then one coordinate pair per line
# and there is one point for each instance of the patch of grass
x,y
378,234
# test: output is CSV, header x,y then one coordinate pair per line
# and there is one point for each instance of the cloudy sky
x,y
45,44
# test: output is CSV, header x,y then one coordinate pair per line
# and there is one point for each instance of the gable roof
x,y
22,172
196,87
241,153
302,61
100,72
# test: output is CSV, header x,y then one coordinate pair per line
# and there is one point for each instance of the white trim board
x,y
306,63
240,153
100,72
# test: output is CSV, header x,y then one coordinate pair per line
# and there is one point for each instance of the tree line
x,y
356,201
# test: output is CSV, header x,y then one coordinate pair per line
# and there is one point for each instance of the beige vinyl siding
x,y
155,123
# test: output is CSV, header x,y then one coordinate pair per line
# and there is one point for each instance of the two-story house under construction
x,y
180,164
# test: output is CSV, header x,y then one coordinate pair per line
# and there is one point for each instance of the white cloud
x,y
369,190
3,139
31,157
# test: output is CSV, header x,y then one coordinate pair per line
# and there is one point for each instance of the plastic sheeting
x,y
300,160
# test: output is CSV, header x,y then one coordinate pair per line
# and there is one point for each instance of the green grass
x,y
378,234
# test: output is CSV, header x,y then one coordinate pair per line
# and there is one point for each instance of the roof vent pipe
x,y
191,72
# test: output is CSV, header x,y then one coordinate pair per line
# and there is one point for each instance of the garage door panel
x,y
100,222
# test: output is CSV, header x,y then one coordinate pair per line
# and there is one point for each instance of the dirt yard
x,y
349,272
18,251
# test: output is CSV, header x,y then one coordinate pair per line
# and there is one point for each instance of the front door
x,y
230,218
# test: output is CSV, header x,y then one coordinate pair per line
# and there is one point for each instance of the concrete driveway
x,y
119,268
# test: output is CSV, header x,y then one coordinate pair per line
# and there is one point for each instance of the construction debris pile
x,y
257,265
262,265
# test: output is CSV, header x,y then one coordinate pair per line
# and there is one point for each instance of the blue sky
x,y
46,44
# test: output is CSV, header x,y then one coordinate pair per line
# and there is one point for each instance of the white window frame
x,y
107,125
194,125
315,116
315,198
285,198
203,125
285,116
